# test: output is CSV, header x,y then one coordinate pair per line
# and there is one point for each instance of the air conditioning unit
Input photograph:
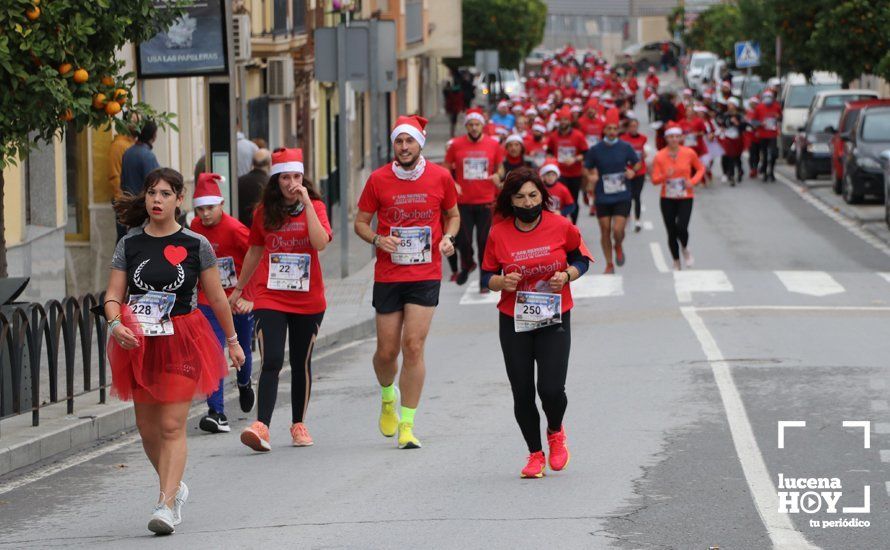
x,y
280,77
241,36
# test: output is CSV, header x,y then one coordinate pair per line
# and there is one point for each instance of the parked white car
x,y
797,95
701,66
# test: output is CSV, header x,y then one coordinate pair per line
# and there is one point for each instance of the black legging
x,y
574,186
549,346
301,330
769,151
730,165
754,156
676,214
636,188
476,216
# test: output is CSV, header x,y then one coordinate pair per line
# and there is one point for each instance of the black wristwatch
x,y
449,237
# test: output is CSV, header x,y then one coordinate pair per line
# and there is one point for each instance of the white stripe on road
x,y
779,527
885,456
648,226
885,276
842,220
811,283
687,282
658,258
598,286
881,309
198,409
472,296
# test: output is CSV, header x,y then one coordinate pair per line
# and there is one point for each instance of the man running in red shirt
x,y
475,160
767,117
568,145
409,198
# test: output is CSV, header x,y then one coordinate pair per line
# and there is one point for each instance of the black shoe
x,y
462,277
484,290
246,397
772,178
215,423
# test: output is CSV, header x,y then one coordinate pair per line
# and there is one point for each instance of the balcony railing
x,y
413,21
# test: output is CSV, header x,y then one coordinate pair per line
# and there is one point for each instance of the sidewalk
x,y
349,317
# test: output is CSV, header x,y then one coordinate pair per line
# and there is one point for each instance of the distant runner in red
x,y
568,145
767,117
475,160
561,201
410,197
638,142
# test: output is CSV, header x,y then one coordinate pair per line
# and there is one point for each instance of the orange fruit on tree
x,y
67,115
120,95
107,81
112,108
99,101
65,68
32,13
81,76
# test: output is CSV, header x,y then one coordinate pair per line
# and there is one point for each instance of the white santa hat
x,y
413,125
513,138
550,165
531,112
207,190
286,160
539,127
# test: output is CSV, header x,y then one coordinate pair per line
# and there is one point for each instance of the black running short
x,y
621,209
392,297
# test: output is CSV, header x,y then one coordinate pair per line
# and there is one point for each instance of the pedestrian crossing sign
x,y
747,54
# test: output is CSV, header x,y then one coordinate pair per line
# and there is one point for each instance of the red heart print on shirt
x,y
175,254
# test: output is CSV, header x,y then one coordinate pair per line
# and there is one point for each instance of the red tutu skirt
x,y
167,369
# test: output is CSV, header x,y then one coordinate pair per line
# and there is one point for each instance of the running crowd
x,y
505,201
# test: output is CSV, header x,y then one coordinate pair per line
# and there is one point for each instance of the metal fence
x,y
31,333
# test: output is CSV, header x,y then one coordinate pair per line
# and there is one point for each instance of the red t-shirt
x,y
560,196
291,238
592,128
535,150
638,142
570,145
694,126
474,164
537,254
229,239
402,203
768,116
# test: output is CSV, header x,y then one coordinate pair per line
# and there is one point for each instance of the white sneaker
x,y
723,179
181,496
161,522
687,257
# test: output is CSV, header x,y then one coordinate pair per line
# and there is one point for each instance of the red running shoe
x,y
535,467
619,256
559,453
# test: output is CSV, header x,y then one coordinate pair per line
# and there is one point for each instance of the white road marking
x,y
865,425
842,220
887,487
472,296
198,409
885,456
881,309
811,283
648,226
598,286
779,527
687,282
879,405
658,258
877,383
885,276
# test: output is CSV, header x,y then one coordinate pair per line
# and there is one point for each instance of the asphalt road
x,y
676,386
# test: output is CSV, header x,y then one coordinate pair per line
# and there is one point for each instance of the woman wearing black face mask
x,y
531,257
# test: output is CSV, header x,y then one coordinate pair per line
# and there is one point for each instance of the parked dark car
x,y
813,148
885,159
863,174
848,120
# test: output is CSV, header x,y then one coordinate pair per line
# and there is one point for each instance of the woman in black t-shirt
x,y
162,350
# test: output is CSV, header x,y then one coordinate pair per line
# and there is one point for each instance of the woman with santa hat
x,y
290,227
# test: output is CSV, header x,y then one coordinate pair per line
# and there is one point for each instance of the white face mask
x,y
767,101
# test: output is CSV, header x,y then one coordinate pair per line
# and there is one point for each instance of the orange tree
x,y
58,67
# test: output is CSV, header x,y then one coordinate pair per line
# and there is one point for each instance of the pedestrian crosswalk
x,y
694,282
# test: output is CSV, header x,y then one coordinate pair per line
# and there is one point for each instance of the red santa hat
x,y
565,113
207,190
550,165
413,125
673,129
474,114
539,126
531,111
286,160
503,104
613,118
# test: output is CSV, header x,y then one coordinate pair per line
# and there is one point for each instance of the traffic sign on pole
x,y
747,54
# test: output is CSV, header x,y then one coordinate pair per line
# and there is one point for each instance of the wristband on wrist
x,y
375,239
449,236
568,276
113,324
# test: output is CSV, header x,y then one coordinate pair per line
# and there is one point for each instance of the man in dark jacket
x,y
137,162
251,184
